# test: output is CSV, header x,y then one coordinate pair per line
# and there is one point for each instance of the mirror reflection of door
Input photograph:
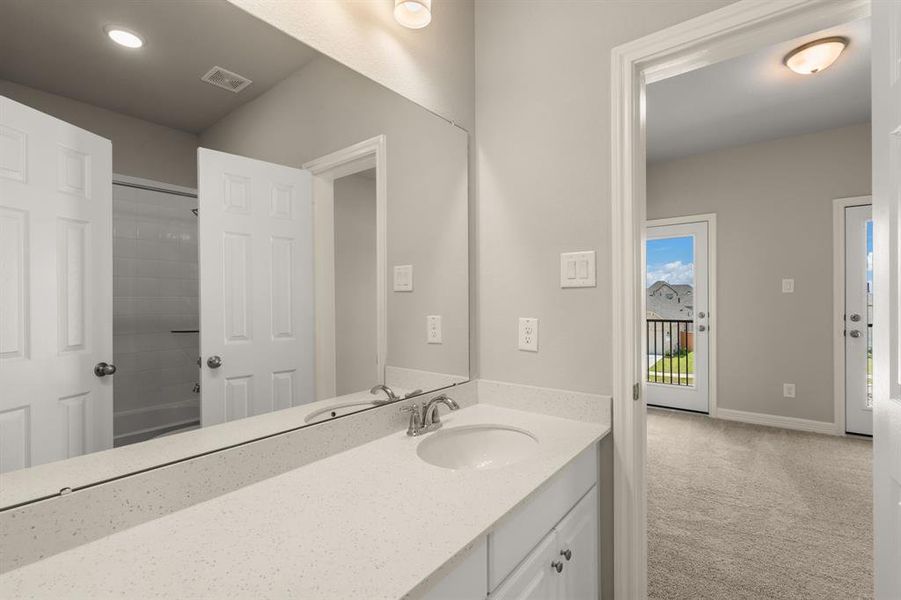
x,y
56,329
859,320
677,316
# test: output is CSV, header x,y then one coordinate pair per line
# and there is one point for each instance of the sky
x,y
671,260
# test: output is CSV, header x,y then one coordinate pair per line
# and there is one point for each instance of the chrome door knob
x,y
855,333
567,554
702,314
702,328
854,317
557,566
214,362
103,369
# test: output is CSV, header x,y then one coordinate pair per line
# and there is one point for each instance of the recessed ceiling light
x,y
815,56
414,14
123,37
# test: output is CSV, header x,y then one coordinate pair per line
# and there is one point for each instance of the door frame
x,y
838,303
712,312
365,155
725,33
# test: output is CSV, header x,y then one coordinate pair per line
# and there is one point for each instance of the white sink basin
x,y
339,409
477,447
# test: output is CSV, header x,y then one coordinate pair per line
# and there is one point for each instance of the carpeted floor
x,y
744,511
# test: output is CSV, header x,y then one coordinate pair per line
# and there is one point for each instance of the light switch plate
x,y
577,269
528,334
788,286
403,278
788,390
434,335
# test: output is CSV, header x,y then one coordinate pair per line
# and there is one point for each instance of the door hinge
x,y
636,391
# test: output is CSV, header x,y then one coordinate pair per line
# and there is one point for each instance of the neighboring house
x,y
669,302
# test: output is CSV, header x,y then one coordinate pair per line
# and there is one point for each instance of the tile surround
x,y
155,290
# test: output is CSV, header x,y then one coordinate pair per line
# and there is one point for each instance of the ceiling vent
x,y
226,79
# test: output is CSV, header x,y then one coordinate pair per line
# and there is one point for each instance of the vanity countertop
x,y
374,521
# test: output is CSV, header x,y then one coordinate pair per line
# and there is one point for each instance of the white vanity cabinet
x,y
545,549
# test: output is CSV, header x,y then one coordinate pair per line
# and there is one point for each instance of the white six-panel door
x,y
55,288
886,98
256,286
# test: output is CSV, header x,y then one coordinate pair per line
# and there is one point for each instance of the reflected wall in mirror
x,y
220,224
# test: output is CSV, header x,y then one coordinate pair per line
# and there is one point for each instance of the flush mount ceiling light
x,y
414,14
124,37
815,56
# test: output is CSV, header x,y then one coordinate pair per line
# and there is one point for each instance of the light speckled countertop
x,y
372,522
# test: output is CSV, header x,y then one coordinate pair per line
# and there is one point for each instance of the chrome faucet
x,y
426,419
383,388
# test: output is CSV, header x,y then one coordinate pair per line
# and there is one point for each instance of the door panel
x,y
56,294
535,578
256,286
858,320
886,122
676,335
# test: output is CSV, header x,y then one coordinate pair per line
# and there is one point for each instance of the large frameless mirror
x,y
201,227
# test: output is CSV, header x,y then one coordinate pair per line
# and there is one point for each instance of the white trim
x,y
838,305
713,313
777,421
151,184
347,161
733,30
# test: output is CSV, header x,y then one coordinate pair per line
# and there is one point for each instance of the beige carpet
x,y
743,511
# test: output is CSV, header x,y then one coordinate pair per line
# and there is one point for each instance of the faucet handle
x,y
412,408
415,427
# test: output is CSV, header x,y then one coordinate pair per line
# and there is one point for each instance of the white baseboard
x,y
776,421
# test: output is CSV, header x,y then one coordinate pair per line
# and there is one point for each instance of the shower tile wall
x,y
155,291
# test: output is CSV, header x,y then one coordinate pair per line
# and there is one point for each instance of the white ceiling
x,y
59,46
753,98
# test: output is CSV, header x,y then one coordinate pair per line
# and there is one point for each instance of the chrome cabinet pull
x,y
557,566
567,554
214,362
103,369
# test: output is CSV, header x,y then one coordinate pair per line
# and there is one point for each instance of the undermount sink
x,y
339,409
477,447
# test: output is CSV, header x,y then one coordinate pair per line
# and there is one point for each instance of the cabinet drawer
x,y
525,526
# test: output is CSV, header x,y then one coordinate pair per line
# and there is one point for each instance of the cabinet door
x,y
577,535
535,578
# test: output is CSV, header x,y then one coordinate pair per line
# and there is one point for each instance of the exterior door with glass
x,y
859,319
676,331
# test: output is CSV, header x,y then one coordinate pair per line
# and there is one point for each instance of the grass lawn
x,y
680,366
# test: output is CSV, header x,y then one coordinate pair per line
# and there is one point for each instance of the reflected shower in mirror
x,y
218,225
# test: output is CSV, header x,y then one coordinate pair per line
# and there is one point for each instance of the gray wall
x,y
325,107
140,148
356,335
773,202
543,152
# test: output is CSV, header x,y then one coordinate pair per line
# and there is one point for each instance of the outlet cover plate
x,y
788,390
788,286
528,334
434,335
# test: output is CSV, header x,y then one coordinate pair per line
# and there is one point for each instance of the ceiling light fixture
x,y
123,37
414,14
815,56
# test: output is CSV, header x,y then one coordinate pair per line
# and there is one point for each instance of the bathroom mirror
x,y
206,226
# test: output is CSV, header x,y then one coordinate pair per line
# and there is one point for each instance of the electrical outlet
x,y
788,390
433,326
788,286
528,334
